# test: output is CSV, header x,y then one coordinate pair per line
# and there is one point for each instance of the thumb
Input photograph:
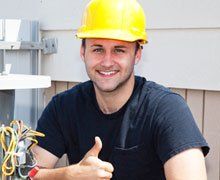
x,y
94,151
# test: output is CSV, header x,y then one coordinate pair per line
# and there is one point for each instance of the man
x,y
118,125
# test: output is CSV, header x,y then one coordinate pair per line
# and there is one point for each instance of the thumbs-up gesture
x,y
94,151
91,167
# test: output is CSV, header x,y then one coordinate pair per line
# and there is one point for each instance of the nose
x,y
107,60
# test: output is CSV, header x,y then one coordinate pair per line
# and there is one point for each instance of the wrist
x,y
71,171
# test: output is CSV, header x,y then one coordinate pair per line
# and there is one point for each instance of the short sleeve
x,y
49,125
176,129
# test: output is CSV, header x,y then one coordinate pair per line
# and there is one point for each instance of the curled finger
x,y
104,174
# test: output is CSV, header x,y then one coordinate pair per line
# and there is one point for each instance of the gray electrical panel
x,y
23,61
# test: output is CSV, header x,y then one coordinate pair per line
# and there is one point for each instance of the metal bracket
x,y
48,45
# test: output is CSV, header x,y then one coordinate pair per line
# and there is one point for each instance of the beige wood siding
x,y
212,131
205,107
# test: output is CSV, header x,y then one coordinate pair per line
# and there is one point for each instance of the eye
x,y
98,50
119,51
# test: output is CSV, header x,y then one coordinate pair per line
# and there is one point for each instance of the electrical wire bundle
x,y
16,141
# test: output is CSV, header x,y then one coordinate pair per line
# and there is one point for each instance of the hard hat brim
x,y
112,34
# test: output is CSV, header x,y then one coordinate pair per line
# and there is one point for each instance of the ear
x,y
82,53
138,55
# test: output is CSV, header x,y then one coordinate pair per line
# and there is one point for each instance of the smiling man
x,y
109,65
118,125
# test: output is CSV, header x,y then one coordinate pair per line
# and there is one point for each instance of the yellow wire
x,y
8,165
13,134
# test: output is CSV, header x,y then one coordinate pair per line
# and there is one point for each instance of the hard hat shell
x,y
114,19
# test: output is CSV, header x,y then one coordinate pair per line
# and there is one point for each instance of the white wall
x,y
183,49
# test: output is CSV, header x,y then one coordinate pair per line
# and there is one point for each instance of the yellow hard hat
x,y
114,19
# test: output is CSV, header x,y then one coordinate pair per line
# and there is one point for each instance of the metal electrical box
x,y
19,46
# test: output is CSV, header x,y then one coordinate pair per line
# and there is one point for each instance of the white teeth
x,y
108,73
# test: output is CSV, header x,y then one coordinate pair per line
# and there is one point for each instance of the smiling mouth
x,y
108,73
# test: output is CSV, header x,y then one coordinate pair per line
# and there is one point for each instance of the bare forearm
x,y
48,174
89,168
75,171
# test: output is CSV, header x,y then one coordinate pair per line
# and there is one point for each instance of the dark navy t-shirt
x,y
154,125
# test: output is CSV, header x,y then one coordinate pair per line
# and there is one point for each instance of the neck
x,y
110,102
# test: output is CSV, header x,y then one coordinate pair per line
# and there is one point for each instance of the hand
x,y
91,167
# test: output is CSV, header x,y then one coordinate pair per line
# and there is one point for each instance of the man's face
x,y
109,63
